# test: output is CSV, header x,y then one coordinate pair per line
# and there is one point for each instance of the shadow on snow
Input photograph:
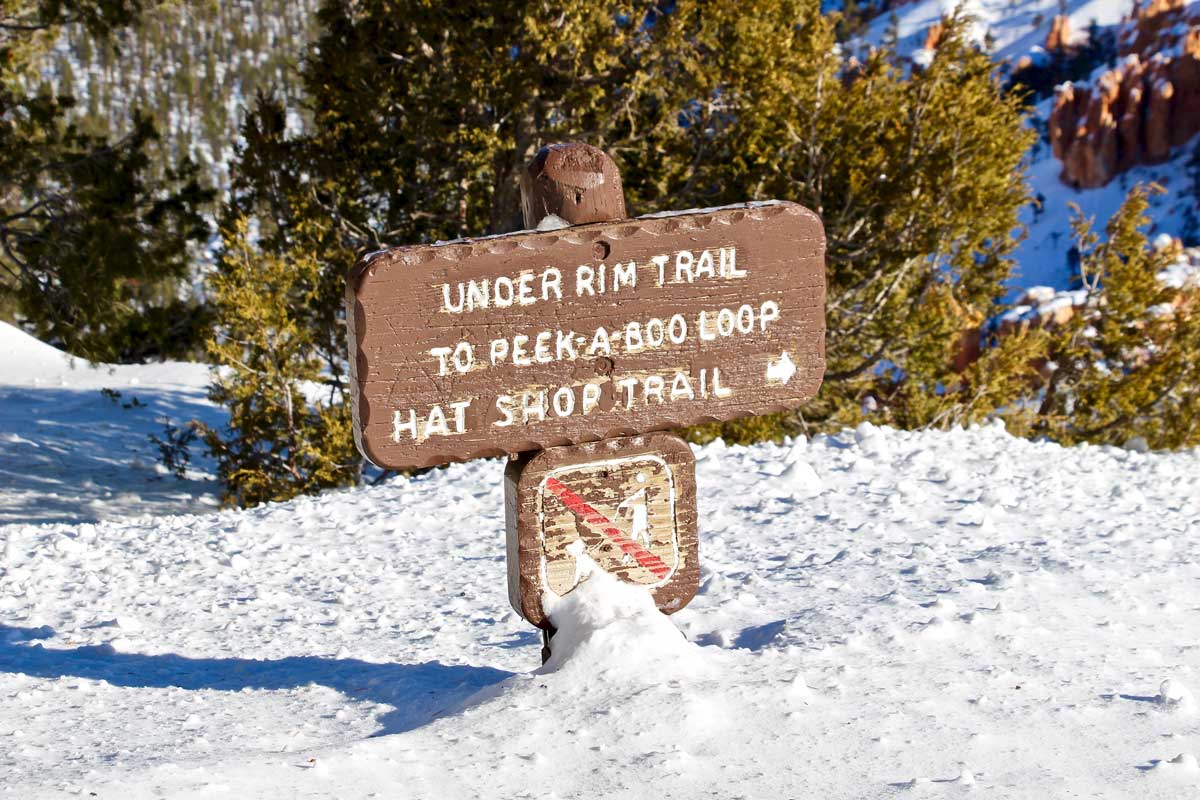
x,y
420,693
72,455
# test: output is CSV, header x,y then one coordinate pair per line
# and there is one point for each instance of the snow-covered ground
x,y
1042,257
69,452
882,614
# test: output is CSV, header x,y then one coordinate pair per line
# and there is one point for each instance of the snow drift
x,y
881,614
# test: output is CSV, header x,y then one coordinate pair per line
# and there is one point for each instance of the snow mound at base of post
x,y
605,626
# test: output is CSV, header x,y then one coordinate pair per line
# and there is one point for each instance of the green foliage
x,y
174,446
424,113
917,179
1129,365
854,17
187,64
91,251
98,16
277,443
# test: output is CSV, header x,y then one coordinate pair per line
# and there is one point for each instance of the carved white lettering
x,y
464,357
600,346
652,386
681,388
541,348
503,292
520,356
661,263
628,385
683,266
564,402
499,350
525,289
533,404
591,397
584,276
729,264
504,404
440,353
624,275
552,282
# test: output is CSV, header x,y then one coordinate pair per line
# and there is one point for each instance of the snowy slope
x,y
1042,257
1014,28
69,453
882,614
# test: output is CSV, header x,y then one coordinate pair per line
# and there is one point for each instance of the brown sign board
x,y
625,506
504,344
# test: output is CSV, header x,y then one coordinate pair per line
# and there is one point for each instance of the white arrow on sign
x,y
781,369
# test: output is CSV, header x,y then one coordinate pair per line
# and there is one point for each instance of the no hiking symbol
x,y
572,348
618,515
624,505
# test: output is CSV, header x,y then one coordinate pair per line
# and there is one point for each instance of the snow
x,y
881,614
1016,28
70,453
1042,258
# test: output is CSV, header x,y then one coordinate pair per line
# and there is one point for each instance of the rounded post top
x,y
573,181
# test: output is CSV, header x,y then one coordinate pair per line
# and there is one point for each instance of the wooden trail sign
x,y
503,344
626,506
582,340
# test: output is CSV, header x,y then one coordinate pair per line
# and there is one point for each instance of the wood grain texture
x,y
401,307
628,504
575,182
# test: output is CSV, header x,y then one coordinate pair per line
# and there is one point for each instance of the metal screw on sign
x,y
573,348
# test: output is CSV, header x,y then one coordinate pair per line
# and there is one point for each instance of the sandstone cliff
x,y
1135,113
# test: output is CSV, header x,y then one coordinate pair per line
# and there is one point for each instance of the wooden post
x,y
575,182
578,184
577,345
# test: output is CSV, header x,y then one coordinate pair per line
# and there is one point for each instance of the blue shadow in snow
x,y
73,451
419,692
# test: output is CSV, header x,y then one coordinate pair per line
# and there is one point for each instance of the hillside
x,y
1015,29
881,613
196,66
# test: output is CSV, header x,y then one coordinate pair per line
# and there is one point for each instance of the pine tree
x,y
917,178
279,440
90,247
1127,366
423,115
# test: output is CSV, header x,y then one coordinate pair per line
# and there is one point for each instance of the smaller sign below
x,y
626,506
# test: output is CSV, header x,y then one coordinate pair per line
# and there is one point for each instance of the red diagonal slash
x,y
579,507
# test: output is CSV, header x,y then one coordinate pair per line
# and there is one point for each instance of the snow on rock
x,y
1175,696
1018,29
953,612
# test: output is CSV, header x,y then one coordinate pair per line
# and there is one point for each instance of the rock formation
x,y
1041,307
1138,111
1060,38
934,36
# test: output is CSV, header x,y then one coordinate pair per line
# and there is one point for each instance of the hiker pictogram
x,y
618,513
